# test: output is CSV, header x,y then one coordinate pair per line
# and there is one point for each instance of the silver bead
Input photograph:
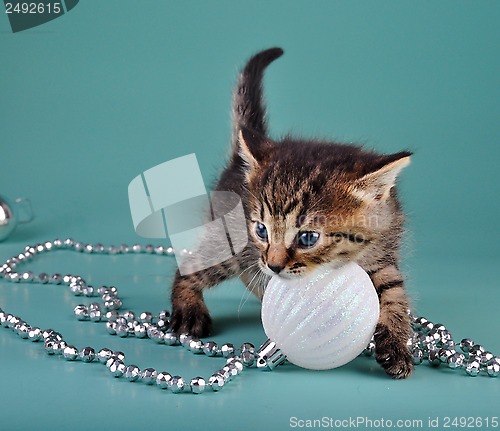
x,y
159,250
149,249
95,316
27,276
23,329
124,248
118,355
162,325
59,347
81,312
103,355
89,291
435,335
446,337
210,348
68,243
417,356
87,354
58,243
3,318
149,375
113,250
121,321
131,326
427,327
121,330
248,347
140,330
197,385
169,251
114,304
12,321
493,369
238,364
70,353
132,373
434,358
233,370
476,350
170,339
94,306
486,358
111,328
99,248
35,334
226,373
162,379
14,277
164,315
78,246
419,322
137,248
76,289
216,382
155,334
247,358
117,368
51,334
196,346
43,278
227,350
146,316
56,279
472,368
466,344
112,315
50,346
108,297
445,354
185,339
456,360
129,315
176,384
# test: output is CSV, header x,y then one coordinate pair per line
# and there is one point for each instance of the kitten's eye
x,y
261,231
307,239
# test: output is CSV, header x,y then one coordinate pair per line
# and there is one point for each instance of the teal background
x,y
90,100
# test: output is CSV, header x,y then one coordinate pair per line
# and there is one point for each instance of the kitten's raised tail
x,y
248,105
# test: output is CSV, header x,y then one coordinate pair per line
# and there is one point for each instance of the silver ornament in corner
x,y
12,214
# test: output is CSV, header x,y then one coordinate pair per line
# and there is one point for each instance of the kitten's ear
x,y
252,148
376,185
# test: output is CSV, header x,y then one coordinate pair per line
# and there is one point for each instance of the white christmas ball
x,y
323,320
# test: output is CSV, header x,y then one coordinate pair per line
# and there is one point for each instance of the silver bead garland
x,y
431,343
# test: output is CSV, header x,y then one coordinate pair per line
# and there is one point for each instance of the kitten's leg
x,y
189,312
394,327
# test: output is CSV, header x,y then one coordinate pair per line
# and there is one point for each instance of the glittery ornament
x,y
321,321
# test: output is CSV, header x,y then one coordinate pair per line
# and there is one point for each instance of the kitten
x,y
307,203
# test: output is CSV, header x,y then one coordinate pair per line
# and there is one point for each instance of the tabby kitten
x,y
307,203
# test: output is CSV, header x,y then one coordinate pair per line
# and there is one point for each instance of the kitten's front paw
x,y
193,320
392,354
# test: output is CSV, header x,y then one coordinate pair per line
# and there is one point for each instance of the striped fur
x,y
344,194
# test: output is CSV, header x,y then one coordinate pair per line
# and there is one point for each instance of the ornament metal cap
x,y
13,213
269,355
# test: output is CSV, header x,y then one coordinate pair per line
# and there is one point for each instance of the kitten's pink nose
x,y
275,268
